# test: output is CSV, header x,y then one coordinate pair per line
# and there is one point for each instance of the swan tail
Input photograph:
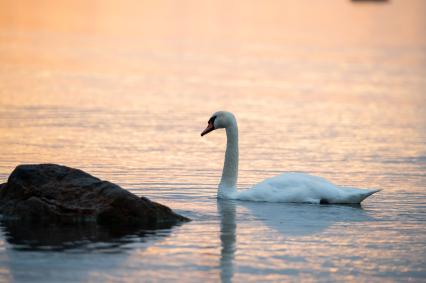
x,y
361,195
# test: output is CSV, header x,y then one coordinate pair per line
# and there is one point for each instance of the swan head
x,y
219,120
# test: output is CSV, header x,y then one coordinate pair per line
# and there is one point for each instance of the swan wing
x,y
299,187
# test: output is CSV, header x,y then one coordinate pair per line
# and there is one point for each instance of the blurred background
x,y
79,79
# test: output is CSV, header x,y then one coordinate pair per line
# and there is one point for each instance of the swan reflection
x,y
228,238
290,220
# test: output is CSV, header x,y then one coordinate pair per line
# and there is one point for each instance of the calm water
x,y
123,92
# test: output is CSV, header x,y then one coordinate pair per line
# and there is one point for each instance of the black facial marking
x,y
211,120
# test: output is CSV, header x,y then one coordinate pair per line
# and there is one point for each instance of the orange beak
x,y
210,127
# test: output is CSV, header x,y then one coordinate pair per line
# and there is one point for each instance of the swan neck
x,y
230,167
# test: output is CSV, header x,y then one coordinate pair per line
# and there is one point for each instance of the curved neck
x,y
230,167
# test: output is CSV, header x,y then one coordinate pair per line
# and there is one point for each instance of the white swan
x,y
287,187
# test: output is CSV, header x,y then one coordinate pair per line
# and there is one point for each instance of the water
x,y
334,89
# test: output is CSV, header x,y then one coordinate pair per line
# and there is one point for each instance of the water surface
x,y
334,89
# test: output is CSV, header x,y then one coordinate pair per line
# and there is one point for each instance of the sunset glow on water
x,y
123,89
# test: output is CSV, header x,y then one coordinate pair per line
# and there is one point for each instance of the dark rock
x,y
59,194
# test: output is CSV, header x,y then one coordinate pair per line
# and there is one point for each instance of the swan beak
x,y
209,128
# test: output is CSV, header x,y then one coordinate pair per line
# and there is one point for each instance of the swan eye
x,y
211,120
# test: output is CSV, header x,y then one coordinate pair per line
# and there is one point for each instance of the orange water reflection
x,y
123,89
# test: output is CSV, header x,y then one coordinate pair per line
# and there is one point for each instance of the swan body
x,y
286,187
298,187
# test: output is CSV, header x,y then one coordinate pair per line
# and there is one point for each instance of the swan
x,y
287,187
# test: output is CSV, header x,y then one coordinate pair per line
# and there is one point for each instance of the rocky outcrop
x,y
58,194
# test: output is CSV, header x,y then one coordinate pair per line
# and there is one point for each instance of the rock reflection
x,y
88,236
